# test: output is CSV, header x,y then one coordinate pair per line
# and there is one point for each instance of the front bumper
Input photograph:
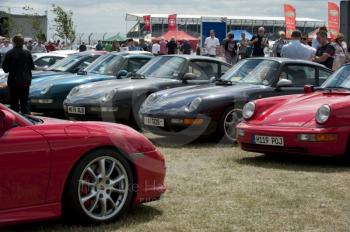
x,y
150,175
45,105
98,112
292,144
193,126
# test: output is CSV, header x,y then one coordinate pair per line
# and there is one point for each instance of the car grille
x,y
271,149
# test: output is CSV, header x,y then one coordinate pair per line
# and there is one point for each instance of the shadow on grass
x,y
188,142
299,163
136,215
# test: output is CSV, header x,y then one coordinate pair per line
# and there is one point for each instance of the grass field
x,y
218,188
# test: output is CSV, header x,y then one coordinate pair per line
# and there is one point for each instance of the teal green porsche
x,y
47,95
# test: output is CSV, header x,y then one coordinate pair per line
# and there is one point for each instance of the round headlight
x,y
74,91
45,90
194,104
323,114
151,98
248,110
109,96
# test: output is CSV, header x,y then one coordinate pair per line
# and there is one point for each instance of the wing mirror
x,y
284,83
188,77
309,89
122,74
7,120
81,72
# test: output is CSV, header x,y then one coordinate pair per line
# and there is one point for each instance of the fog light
x,y
189,122
318,137
240,132
42,101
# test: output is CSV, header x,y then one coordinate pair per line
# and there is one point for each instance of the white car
x,y
45,60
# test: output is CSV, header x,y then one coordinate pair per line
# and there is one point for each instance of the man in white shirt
x,y
7,46
212,45
296,50
155,48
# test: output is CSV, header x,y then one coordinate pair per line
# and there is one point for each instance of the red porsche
x,y
314,123
89,171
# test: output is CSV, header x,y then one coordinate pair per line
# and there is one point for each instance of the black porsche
x,y
120,100
215,109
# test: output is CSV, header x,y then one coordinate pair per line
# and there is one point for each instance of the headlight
x,y
248,110
194,104
73,92
109,96
45,90
151,98
323,114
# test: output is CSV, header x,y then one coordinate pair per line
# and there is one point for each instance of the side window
x,y
204,70
133,65
323,76
300,75
87,62
46,61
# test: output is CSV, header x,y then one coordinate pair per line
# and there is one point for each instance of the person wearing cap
x,y
277,47
295,49
326,52
19,64
341,52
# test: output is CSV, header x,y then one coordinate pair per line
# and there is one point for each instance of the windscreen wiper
x,y
137,76
223,82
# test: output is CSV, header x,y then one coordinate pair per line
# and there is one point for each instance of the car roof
x,y
129,54
90,53
43,54
283,60
195,57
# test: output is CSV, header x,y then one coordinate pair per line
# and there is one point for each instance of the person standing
x,y
7,46
162,45
230,48
186,47
212,45
19,64
172,46
99,46
259,42
82,47
295,49
39,47
51,46
325,52
115,46
277,47
243,45
155,48
341,52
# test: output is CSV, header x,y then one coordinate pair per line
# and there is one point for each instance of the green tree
x,y
64,26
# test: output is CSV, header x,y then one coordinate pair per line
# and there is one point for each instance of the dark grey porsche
x,y
120,100
215,109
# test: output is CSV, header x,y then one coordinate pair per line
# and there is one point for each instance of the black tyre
x,y
99,189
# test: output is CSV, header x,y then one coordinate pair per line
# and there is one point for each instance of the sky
x,y
108,16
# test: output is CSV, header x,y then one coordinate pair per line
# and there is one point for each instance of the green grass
x,y
216,188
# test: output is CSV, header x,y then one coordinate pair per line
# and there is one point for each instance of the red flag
x,y
290,19
333,19
172,26
147,20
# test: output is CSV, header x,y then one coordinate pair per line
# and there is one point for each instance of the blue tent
x,y
237,34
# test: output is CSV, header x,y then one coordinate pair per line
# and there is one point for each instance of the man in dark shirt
x,y
259,42
19,64
186,47
326,52
172,46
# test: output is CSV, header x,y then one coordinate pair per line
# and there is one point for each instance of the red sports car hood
x,y
302,109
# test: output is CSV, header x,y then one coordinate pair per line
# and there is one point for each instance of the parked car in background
x,y
70,64
120,100
215,109
44,60
314,123
47,94
91,172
